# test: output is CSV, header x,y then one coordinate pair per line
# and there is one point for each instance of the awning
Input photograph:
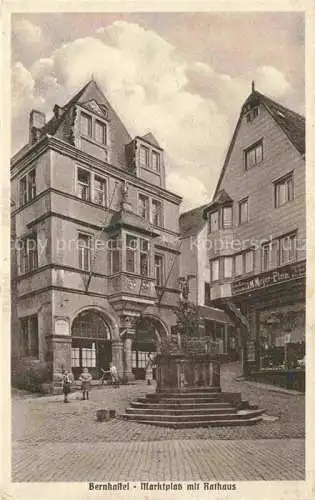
x,y
214,314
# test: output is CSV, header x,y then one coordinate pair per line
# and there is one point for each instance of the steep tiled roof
x,y
292,124
221,198
191,222
149,137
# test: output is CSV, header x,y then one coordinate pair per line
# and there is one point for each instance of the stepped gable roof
x,y
191,222
292,124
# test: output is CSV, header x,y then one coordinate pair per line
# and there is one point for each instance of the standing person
x,y
85,378
114,374
149,369
66,385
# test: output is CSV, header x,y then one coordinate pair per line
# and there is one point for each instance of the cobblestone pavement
x,y
188,460
47,431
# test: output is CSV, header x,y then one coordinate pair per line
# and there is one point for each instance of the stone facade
x,y
106,234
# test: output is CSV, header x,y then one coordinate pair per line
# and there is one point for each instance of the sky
x,y
182,76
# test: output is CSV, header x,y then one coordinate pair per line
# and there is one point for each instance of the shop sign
x,y
285,273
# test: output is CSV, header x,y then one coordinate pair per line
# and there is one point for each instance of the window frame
x,y
29,190
89,251
80,183
223,222
103,125
212,261
290,236
283,181
146,254
90,124
147,156
27,341
240,204
159,282
159,212
218,221
28,257
224,259
104,180
269,246
146,205
131,251
157,155
253,148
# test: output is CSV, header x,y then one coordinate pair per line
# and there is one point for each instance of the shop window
x,y
28,254
284,191
84,248
156,213
83,184
158,269
29,336
287,249
27,187
243,211
253,155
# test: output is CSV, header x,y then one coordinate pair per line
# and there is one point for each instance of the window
x,y
214,270
144,156
86,124
99,191
144,257
100,132
254,155
155,161
83,184
239,264
243,211
227,267
28,187
29,336
84,247
89,356
284,191
214,221
131,248
156,213
158,270
28,254
207,300
75,357
114,255
249,261
266,257
227,221
252,114
143,206
287,249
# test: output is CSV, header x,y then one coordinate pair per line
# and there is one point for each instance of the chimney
x,y
37,121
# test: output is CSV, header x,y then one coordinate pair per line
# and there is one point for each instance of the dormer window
x,y
222,218
252,114
100,132
86,124
155,161
227,215
144,156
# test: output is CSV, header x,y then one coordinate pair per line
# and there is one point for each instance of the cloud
x,y
27,32
187,105
272,81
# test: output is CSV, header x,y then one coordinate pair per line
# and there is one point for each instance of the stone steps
x,y
191,409
180,412
192,424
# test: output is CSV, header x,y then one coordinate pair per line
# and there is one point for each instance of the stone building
x,y
95,257
257,226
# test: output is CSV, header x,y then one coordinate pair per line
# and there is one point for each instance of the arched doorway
x,y
148,334
91,343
